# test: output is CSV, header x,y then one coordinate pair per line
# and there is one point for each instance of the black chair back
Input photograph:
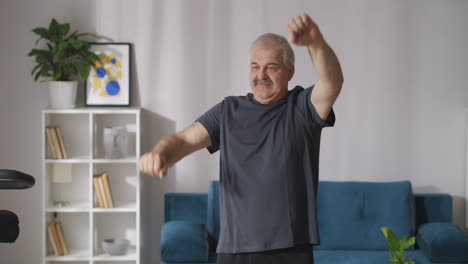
x,y
9,222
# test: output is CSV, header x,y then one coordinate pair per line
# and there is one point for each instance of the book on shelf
x,y
53,238
63,244
107,190
55,143
57,239
50,143
103,191
50,147
98,192
60,141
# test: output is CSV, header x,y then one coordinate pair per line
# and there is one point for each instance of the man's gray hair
x,y
276,41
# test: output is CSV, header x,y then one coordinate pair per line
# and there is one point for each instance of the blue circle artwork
x,y
101,72
112,88
113,61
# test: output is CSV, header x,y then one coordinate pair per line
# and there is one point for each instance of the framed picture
x,y
108,83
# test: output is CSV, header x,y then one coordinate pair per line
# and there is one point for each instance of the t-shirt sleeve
x,y
307,109
211,120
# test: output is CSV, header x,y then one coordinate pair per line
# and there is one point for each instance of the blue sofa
x,y
350,217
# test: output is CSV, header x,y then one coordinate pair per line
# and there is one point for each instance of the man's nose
x,y
261,74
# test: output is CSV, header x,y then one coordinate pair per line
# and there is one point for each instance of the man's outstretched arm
x,y
173,148
304,32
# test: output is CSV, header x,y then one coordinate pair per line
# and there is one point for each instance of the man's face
x,y
268,75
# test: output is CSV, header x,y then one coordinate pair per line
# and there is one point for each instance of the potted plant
x,y
64,57
398,247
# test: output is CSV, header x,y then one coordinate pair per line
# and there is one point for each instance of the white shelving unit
x,y
85,225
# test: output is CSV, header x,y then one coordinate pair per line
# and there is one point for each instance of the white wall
x,y
400,115
21,102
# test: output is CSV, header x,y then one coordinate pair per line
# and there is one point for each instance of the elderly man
x,y
269,142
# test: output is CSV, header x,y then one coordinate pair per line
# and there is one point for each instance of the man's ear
x,y
291,73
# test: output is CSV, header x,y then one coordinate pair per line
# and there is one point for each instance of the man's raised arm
x,y
304,32
173,148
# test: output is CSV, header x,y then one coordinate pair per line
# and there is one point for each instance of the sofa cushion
x,y
212,219
351,214
363,257
443,242
184,241
185,207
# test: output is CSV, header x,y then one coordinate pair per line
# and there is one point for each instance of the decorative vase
x,y
62,94
115,141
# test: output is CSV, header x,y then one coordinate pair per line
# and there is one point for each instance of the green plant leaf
x,y
34,52
404,238
64,29
37,75
395,258
400,257
391,238
42,32
53,23
42,56
405,243
88,34
56,76
44,72
73,35
60,50
55,31
77,44
91,57
35,68
83,70
410,242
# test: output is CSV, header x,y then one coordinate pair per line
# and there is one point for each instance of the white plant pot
x,y
62,94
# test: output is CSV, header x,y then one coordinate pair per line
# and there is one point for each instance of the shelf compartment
x,y
101,121
107,225
123,185
75,133
75,227
62,181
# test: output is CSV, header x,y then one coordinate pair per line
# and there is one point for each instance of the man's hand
x,y
303,31
173,148
153,164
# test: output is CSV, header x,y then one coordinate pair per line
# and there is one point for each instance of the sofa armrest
x,y
443,242
184,241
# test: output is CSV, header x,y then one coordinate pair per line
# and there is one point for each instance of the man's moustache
x,y
263,82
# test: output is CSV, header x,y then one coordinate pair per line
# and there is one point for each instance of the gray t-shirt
x,y
268,170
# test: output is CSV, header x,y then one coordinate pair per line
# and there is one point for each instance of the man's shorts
x,y
301,254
